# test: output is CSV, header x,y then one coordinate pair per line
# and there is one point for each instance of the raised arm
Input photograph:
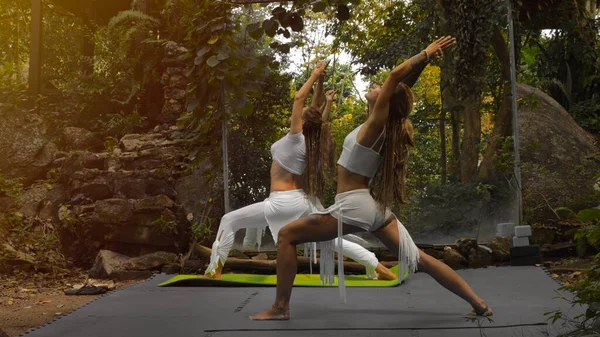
x,y
434,51
300,98
329,98
316,100
413,76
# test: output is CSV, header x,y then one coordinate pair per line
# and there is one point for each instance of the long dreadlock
x,y
389,182
319,149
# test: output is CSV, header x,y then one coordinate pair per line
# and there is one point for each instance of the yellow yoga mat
x,y
253,280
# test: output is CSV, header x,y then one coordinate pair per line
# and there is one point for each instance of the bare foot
x,y
216,276
482,309
384,273
272,314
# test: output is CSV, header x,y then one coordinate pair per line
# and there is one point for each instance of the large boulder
x,y
558,167
24,144
137,142
95,184
41,200
111,265
153,261
127,226
80,139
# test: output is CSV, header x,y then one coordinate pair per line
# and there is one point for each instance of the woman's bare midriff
x,y
348,181
282,180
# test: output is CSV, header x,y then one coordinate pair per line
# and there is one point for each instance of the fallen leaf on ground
x,y
555,275
10,302
29,307
60,306
58,313
44,302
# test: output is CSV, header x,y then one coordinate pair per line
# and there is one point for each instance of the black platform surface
x,y
420,307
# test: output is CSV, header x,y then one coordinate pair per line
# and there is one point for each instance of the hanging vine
x,y
224,69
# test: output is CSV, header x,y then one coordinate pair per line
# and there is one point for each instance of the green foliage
x,y
566,64
587,290
10,187
285,19
587,114
251,136
34,243
472,23
119,125
505,159
161,225
201,230
224,68
340,76
63,36
380,33
14,43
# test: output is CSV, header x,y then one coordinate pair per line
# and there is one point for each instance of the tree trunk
x,y
455,124
469,156
583,62
449,95
443,159
502,125
35,57
17,45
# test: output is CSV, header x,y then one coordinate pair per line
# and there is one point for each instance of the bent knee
x,y
284,235
288,235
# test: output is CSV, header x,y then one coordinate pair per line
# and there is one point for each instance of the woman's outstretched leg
x,y
365,257
443,274
251,216
313,228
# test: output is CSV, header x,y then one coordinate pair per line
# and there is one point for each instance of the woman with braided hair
x,y
371,173
301,163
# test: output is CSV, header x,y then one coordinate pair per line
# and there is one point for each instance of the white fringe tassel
x,y
327,268
341,283
408,253
310,251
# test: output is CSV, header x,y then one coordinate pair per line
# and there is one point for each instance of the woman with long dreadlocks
x,y
371,173
301,163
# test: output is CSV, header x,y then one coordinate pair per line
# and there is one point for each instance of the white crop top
x,y
357,158
290,153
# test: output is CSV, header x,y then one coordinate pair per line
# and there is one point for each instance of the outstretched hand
x,y
320,69
435,51
330,95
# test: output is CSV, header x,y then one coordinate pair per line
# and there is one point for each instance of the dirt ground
x,y
31,301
